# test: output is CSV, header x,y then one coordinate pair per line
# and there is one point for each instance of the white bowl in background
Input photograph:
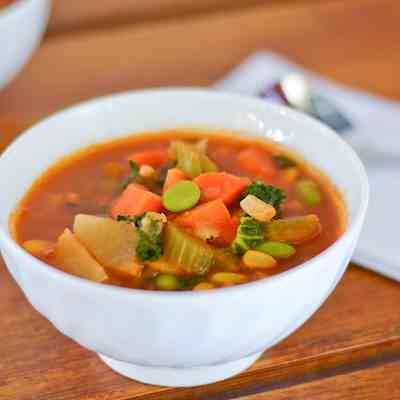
x,y
179,338
22,25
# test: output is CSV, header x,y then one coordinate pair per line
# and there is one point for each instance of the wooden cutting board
x,y
350,349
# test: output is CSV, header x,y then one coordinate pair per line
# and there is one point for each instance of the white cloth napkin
x,y
376,138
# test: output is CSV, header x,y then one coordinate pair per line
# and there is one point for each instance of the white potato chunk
x,y
72,257
112,243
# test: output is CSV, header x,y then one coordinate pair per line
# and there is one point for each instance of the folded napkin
x,y
375,136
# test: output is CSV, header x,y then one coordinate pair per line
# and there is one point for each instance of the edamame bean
x,y
276,249
309,192
181,196
167,282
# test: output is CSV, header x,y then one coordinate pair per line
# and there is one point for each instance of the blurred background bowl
x,y
22,25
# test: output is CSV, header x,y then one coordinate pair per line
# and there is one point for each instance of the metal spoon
x,y
295,91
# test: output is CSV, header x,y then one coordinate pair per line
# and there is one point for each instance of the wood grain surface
x,y
380,382
70,16
351,346
346,334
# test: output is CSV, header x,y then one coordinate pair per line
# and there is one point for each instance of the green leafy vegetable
x,y
164,171
283,162
148,249
150,225
128,218
267,193
134,173
250,233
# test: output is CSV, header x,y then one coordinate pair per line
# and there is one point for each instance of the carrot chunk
x,y
135,200
257,163
209,221
221,185
154,158
174,175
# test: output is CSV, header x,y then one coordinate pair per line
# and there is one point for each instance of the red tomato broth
x,y
41,215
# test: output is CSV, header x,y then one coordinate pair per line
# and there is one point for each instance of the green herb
x,y
283,162
149,226
131,178
127,218
164,171
250,233
267,193
147,248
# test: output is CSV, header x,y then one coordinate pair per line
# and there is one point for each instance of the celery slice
x,y
191,161
207,165
293,230
194,255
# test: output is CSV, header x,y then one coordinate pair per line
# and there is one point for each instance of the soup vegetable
x,y
179,211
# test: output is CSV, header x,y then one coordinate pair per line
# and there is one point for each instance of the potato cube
x,y
112,243
71,256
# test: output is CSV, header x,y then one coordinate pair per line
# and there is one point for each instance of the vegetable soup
x,y
179,210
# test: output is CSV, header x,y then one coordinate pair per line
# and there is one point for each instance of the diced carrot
x,y
257,163
155,158
211,217
174,175
221,185
135,200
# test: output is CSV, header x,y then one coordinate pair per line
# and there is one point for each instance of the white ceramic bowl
x,y
21,27
185,338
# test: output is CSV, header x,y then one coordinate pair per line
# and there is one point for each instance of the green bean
x,y
167,282
181,196
309,192
276,249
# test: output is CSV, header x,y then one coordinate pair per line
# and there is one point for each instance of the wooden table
x,y
350,349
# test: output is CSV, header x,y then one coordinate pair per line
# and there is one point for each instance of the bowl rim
x,y
52,272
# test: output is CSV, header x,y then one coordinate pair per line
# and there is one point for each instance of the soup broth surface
x,y
92,181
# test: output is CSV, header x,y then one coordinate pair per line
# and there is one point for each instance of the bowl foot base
x,y
180,377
